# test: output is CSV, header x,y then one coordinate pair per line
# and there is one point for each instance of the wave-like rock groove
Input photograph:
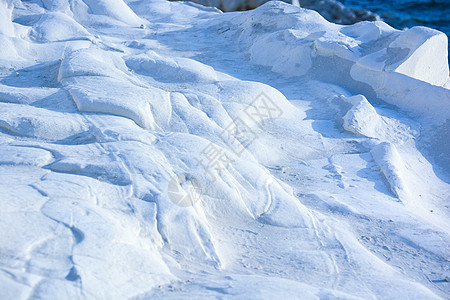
x,y
153,148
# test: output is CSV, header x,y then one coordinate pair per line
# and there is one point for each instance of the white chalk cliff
x,y
332,10
316,156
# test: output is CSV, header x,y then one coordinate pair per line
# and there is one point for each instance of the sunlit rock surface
x,y
332,10
165,149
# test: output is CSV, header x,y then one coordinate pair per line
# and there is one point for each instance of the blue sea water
x,y
407,13
403,14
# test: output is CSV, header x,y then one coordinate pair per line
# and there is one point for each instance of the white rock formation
x,y
260,154
368,51
332,10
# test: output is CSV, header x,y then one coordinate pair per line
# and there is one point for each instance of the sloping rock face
x,y
372,53
155,149
332,10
